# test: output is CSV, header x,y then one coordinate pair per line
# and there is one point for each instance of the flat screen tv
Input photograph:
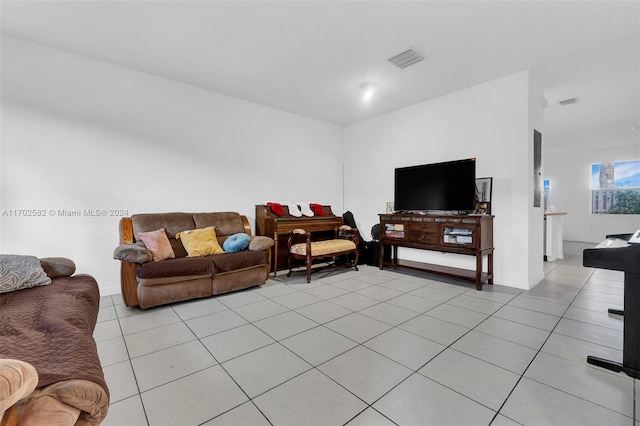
x,y
439,187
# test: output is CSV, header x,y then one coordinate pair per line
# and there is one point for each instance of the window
x,y
615,188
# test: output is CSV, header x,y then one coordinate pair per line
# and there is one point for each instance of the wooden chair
x,y
345,242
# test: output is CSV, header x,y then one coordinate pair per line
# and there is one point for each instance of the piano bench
x,y
344,243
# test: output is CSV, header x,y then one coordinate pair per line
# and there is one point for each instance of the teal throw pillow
x,y
236,242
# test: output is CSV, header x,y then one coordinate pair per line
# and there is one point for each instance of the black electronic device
x,y
439,187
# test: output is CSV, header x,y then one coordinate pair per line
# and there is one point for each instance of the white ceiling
x,y
313,57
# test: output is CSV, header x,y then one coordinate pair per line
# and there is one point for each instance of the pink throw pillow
x,y
158,244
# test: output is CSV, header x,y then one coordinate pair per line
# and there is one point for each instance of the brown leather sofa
x,y
146,283
50,372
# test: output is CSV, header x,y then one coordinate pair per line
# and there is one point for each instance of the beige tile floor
x,y
374,348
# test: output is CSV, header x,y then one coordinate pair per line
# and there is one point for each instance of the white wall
x,y
491,122
84,134
570,172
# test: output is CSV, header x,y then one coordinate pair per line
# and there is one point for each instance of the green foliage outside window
x,y
627,202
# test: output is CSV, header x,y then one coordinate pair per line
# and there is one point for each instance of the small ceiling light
x,y
368,92
367,95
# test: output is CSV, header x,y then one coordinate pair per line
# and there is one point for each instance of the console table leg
x,y
490,267
479,272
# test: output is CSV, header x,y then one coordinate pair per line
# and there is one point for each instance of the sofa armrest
x,y
129,283
263,243
68,402
130,256
18,380
134,253
260,243
128,277
56,267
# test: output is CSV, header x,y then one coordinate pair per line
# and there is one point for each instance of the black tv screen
x,y
449,186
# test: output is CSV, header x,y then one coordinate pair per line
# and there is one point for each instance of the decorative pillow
x,y
158,244
200,242
260,243
236,242
56,267
18,272
134,253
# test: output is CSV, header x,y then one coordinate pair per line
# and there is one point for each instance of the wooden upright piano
x,y
278,227
618,254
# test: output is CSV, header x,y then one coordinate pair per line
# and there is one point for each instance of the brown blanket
x,y
51,327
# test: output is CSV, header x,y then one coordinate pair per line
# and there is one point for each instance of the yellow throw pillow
x,y
200,242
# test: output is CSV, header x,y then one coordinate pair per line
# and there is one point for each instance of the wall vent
x,y
406,58
569,101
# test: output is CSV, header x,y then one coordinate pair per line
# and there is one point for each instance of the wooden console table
x,y
464,234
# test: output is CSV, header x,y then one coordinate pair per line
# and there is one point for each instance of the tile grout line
x,y
544,384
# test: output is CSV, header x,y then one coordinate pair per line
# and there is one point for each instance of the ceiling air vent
x,y
406,58
569,101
